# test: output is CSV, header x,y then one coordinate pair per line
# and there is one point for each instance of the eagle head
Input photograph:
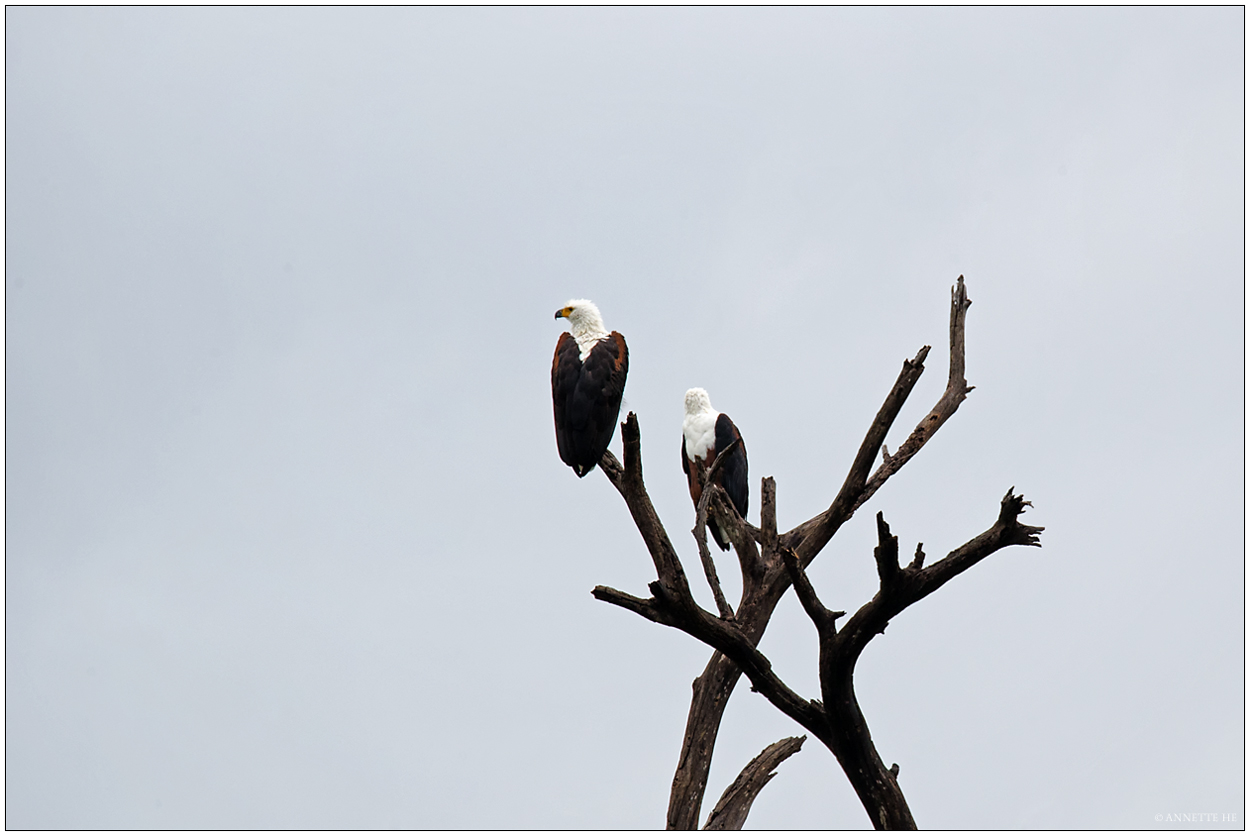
x,y
697,401
581,314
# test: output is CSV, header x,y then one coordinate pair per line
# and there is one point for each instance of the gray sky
x,y
288,540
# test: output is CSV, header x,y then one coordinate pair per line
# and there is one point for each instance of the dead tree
x,y
771,562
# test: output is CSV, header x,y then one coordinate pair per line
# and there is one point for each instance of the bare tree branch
x,y
914,583
760,598
707,705
730,813
850,739
837,721
821,616
646,607
810,537
614,470
700,525
709,570
680,611
1007,531
714,501
768,514
886,555
711,690
918,560
957,390
742,534
628,481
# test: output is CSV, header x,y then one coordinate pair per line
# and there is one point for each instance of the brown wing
x,y
588,398
733,473
566,368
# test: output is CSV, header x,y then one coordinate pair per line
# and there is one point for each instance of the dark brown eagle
x,y
587,382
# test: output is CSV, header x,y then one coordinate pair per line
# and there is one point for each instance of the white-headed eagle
x,y
587,381
705,432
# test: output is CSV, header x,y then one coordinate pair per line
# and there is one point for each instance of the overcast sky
x,y
288,540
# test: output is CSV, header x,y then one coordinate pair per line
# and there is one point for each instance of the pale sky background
x,y
288,540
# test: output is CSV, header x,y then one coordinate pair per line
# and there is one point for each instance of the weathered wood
x,y
628,481
707,706
676,608
836,720
956,391
823,617
768,515
851,741
756,609
700,525
730,813
810,537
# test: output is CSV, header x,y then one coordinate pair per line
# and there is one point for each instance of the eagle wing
x,y
587,396
603,383
733,473
566,368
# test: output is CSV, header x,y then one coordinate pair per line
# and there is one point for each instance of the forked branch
x,y
767,574
899,588
957,390
761,596
628,481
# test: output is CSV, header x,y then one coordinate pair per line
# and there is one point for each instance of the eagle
x,y
587,382
705,432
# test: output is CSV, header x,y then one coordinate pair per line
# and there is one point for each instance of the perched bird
x,y
705,432
587,381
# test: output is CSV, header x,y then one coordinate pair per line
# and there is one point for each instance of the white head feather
x,y
699,425
585,324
